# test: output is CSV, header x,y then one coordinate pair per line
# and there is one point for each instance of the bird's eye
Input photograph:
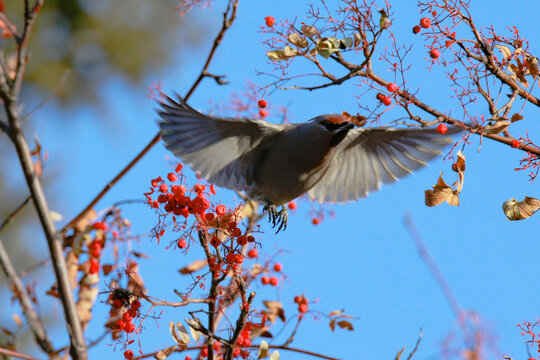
x,y
331,126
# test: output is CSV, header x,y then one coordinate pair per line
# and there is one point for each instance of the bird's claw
x,y
277,217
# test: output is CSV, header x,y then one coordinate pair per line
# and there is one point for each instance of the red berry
x,y
380,96
236,352
442,129
204,352
297,299
172,177
187,357
302,308
265,280
262,103
120,324
425,22
217,346
263,113
515,144
215,241
278,267
274,281
236,232
94,266
250,238
126,317
292,205
416,29
391,87
434,53
130,327
135,304
179,168
221,210
315,221
386,101
253,253
128,354
270,21
304,300
182,244
242,240
209,216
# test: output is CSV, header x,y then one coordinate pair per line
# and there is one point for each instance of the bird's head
x,y
336,124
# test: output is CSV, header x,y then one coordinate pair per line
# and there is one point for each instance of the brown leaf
x,y
140,255
85,221
275,309
309,31
333,324
497,127
336,312
441,193
344,324
459,165
17,320
298,40
516,117
531,64
194,266
519,210
505,50
107,268
38,169
163,354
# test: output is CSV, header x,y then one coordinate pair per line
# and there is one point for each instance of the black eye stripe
x,y
330,126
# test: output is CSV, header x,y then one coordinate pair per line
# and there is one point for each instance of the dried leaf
x,y
441,193
516,117
519,73
298,40
263,350
140,255
56,216
182,336
88,218
348,42
344,324
194,333
194,266
275,309
286,53
108,268
38,169
505,50
357,39
309,31
497,127
275,355
333,324
37,150
336,312
17,319
163,354
519,210
531,63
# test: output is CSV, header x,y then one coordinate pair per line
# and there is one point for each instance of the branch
x,y
15,354
17,287
227,23
240,323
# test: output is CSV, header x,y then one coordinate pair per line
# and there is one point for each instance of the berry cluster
x,y
302,302
96,246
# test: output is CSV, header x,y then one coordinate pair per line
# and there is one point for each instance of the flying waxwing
x,y
327,157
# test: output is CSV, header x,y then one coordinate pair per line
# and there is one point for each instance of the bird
x,y
328,157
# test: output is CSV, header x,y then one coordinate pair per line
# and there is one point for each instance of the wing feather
x,y
367,158
222,150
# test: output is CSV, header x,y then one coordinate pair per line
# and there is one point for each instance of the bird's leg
x,y
273,214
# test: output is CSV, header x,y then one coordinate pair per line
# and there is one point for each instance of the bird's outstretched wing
x,y
222,150
367,158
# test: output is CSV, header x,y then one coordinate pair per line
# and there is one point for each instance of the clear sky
x,y
362,260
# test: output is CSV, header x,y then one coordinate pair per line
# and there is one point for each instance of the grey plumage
x,y
326,157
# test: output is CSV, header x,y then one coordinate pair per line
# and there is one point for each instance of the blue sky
x,y
362,260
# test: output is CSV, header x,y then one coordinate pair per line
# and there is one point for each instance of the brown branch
x,y
14,213
228,20
17,355
9,94
240,324
416,346
227,23
17,287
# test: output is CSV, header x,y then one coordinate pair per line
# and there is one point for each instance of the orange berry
x,y
434,53
442,129
391,87
270,21
262,103
425,22
515,144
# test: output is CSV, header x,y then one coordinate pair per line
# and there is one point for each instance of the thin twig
x,y
240,324
416,346
227,22
17,287
17,355
14,213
